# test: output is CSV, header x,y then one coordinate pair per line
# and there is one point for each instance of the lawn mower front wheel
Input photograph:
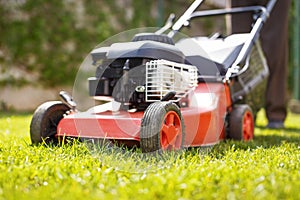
x,y
45,120
162,128
241,123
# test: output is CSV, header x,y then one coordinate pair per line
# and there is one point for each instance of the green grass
x,y
266,168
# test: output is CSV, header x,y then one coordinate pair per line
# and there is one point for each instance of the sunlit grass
x,y
266,168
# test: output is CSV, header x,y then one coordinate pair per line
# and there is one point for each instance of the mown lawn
x,y
266,168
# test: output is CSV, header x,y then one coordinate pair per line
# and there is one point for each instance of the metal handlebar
x,y
253,36
181,21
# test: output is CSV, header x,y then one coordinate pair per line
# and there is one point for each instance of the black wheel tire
x,y
241,123
45,120
159,117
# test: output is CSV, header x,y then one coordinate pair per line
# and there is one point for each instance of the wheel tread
x,y
53,111
152,122
236,121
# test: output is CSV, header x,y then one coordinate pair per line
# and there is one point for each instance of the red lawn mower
x,y
158,92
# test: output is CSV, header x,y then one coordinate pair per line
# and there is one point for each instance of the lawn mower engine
x,y
142,73
116,80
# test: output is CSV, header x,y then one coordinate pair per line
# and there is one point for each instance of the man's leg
x,y
274,37
275,44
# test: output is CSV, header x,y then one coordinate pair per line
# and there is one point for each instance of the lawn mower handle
x,y
189,13
270,5
264,13
254,35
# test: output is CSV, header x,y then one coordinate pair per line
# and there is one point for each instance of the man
x,y
274,38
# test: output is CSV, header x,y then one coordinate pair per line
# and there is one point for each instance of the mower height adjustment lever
x,y
68,100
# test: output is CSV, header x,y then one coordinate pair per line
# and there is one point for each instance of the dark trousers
x,y
274,38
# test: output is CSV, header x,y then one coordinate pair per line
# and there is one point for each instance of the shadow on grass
x,y
287,129
276,137
266,138
269,141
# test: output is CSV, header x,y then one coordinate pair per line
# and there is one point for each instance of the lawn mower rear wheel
x,y
241,123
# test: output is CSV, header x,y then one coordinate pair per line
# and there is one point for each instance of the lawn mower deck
x,y
101,122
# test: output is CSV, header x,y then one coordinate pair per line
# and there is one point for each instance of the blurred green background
x,y
44,42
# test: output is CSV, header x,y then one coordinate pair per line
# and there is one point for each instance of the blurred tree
x,y
53,37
